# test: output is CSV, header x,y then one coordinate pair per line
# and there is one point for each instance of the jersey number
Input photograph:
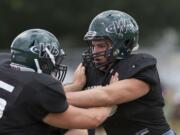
x,y
9,88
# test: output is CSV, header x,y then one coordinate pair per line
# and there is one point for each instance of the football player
x,y
32,99
112,37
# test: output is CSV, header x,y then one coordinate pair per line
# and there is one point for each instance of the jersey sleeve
x,y
128,68
148,75
48,98
144,68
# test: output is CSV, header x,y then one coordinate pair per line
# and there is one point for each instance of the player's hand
x,y
113,110
77,132
79,76
114,78
110,110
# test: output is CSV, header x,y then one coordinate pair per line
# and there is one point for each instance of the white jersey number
x,y
9,88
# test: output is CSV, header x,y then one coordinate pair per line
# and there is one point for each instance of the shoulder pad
x,y
4,58
44,78
135,63
49,82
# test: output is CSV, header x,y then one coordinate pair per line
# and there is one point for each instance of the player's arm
x,y
78,81
79,118
77,132
116,93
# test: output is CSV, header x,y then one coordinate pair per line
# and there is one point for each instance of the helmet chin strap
x,y
104,66
38,66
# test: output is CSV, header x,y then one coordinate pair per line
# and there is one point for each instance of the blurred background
x,y
159,22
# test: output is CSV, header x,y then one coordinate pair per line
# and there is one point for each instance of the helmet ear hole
x,y
128,44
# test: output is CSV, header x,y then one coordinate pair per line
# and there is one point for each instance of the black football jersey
x,y
25,99
4,56
143,116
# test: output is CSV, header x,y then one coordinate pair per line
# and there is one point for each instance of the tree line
x,y
72,17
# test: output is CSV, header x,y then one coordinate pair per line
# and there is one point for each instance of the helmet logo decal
x,y
119,27
40,50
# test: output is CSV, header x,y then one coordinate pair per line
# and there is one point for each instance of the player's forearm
x,y
98,115
78,118
113,94
71,87
89,98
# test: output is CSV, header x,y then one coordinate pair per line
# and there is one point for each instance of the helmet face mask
x,y
39,50
118,27
102,56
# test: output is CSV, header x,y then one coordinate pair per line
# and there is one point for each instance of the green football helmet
x,y
40,51
119,28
